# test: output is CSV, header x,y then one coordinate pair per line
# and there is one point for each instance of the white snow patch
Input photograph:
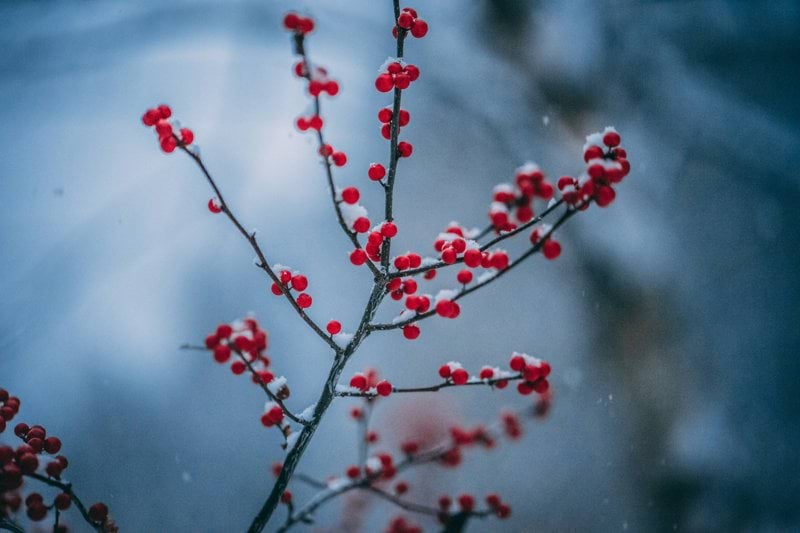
x,y
276,385
342,339
308,413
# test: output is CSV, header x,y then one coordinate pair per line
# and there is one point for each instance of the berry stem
x,y
393,154
352,235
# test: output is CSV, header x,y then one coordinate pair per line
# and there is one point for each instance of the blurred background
x,y
670,319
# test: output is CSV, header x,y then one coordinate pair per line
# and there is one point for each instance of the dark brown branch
x,y
393,153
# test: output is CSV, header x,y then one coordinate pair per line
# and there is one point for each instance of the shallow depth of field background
x,y
670,318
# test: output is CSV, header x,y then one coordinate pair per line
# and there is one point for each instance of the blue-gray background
x,y
670,319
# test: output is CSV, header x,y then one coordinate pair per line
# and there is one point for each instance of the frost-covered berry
x,y
213,206
459,376
359,381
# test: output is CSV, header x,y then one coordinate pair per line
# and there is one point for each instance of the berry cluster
x,y
292,281
409,21
385,116
606,165
396,74
158,118
400,524
375,240
368,382
533,370
249,341
26,460
9,407
299,24
513,204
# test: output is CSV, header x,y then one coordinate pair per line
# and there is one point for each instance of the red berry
x,y
315,122
164,111
339,158
611,139
385,115
405,20
332,88
419,29
517,363
98,512
444,371
290,21
168,144
449,255
358,257
405,117
551,249
52,445
359,381
389,229
593,152
63,501
304,301
222,353
384,388
350,195
459,376
401,262
404,149
472,257
361,225
604,196
353,472
464,277
384,83
238,368
334,327
376,171
213,206
286,497
413,72
299,282
411,331
466,502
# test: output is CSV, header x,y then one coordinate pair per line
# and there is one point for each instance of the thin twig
x,y
251,238
67,487
432,388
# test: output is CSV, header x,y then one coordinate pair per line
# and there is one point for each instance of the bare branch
x,y
433,388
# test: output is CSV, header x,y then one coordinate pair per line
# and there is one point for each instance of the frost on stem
x,y
518,206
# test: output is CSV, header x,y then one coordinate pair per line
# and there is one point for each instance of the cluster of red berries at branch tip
x,y
249,341
551,248
298,24
606,165
158,119
294,281
27,460
385,116
396,74
409,21
513,204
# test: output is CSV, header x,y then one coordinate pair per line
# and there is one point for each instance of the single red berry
x,y
304,301
276,289
551,249
444,371
604,196
290,21
517,363
449,255
611,139
361,225
405,117
213,206
411,331
413,72
353,472
168,144
405,20
350,195
404,149
52,445
459,376
385,115
401,262
286,497
445,502
222,353
472,257
388,229
164,111
339,158
376,171
464,277
315,122
359,381
299,282
384,388
238,368
466,502
593,152
332,88
419,29
187,136
384,83
98,512
63,501
401,487
358,257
